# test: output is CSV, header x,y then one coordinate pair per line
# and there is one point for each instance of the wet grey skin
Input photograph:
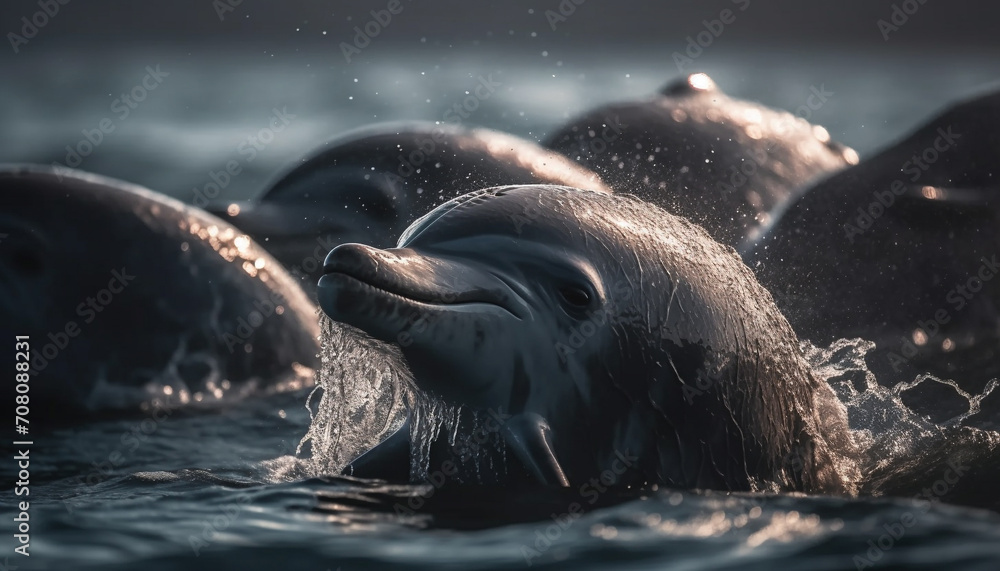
x,y
885,251
723,163
607,329
156,291
369,185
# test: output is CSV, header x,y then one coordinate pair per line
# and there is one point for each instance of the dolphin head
x,y
612,326
498,301
368,185
482,299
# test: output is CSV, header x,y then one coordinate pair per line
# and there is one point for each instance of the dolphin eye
x,y
575,296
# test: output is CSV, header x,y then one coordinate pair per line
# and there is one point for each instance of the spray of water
x,y
472,443
363,387
895,441
366,392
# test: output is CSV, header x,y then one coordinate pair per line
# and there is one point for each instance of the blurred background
x,y
165,94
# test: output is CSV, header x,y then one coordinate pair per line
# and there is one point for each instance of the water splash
x,y
880,423
975,401
366,393
472,443
871,407
430,418
189,379
364,387
895,442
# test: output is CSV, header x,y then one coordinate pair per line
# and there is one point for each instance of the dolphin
x,y
370,184
611,339
721,162
121,294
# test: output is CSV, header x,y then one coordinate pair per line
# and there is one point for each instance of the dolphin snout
x,y
358,260
427,279
356,275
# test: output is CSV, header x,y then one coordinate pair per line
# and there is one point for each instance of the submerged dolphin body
x,y
121,290
721,162
901,250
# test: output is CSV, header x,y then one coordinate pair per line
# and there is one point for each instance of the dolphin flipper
x,y
389,460
528,435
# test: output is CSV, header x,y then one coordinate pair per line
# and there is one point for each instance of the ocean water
x,y
226,487
233,485
213,99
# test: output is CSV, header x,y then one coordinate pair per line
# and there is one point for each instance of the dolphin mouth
x,y
373,289
469,300
359,263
